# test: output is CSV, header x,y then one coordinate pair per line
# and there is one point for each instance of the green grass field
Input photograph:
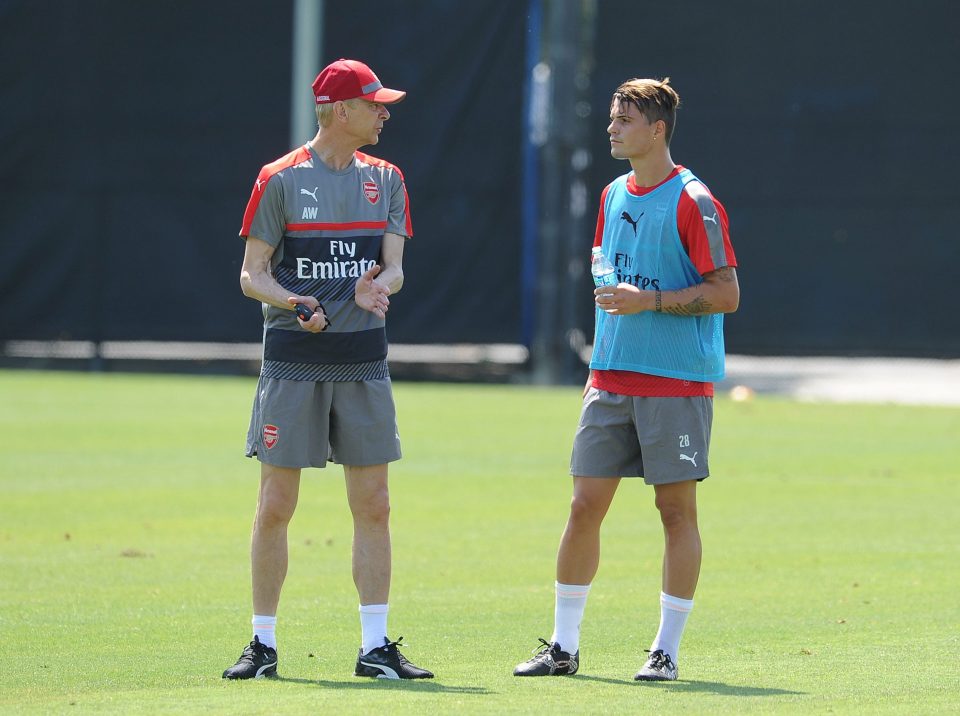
x,y
829,583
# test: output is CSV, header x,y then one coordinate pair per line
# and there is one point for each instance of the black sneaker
x,y
256,662
659,667
549,661
386,662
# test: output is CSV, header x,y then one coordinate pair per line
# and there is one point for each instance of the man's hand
x,y
622,299
719,292
370,295
318,321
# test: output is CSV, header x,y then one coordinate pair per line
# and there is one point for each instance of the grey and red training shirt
x,y
327,228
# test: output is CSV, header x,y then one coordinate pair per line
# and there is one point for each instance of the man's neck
x,y
333,151
651,170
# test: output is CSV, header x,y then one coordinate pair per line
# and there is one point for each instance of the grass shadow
x,y
425,685
721,689
601,679
693,687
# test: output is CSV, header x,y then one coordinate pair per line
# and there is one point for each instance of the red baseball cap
x,y
350,79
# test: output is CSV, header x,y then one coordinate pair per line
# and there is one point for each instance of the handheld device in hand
x,y
303,311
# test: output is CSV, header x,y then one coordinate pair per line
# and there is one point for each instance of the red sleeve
x,y
693,235
254,202
266,173
407,224
598,234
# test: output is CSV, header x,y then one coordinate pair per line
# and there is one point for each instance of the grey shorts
x,y
662,440
299,423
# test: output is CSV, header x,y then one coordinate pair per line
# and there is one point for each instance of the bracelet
x,y
658,301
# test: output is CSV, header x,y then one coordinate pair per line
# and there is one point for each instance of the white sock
x,y
373,626
568,613
673,618
265,628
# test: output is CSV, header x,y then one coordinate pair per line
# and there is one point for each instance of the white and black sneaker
x,y
659,667
256,662
549,661
386,662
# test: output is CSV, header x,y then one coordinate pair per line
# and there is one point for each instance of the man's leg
x,y
279,488
677,504
579,555
369,500
578,559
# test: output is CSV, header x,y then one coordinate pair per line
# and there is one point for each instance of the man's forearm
x,y
264,288
690,301
717,293
392,278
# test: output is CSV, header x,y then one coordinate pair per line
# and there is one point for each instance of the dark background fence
x,y
132,133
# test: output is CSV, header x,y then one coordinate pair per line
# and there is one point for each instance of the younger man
x,y
658,345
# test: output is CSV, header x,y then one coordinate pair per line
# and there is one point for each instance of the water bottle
x,y
602,269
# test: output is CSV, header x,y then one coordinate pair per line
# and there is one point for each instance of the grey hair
x,y
325,112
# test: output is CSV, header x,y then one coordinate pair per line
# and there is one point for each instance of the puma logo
x,y
310,193
564,666
690,459
711,218
630,220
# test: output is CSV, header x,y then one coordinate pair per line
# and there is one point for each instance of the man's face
x,y
365,120
631,135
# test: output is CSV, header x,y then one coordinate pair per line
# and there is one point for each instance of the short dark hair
x,y
655,99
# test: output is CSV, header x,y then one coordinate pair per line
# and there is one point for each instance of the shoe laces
x,y
659,659
254,648
396,645
544,649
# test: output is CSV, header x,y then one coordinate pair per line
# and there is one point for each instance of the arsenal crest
x,y
271,435
371,191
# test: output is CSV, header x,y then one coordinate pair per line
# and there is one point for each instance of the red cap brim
x,y
385,96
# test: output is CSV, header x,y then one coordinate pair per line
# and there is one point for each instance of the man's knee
x,y
373,510
279,488
368,494
677,510
587,509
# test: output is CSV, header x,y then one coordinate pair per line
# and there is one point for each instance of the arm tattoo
x,y
725,274
693,301
699,306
